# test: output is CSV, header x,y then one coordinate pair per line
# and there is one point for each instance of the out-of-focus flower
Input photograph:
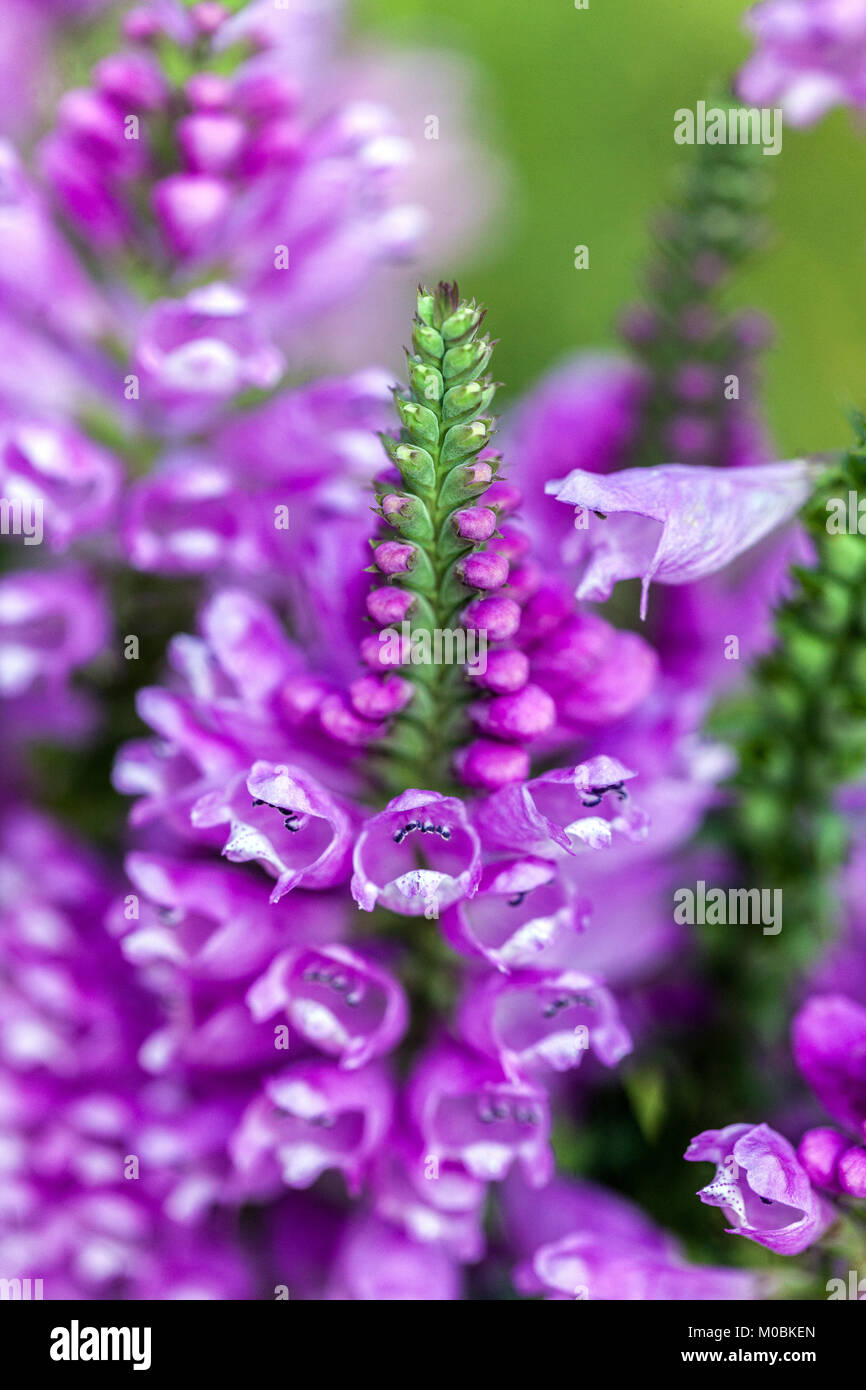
x,y
52,622
202,349
375,1262
810,56
675,524
467,1110
578,1241
829,1037
761,1187
336,998
58,475
313,1117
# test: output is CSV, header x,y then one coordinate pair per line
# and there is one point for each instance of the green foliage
x,y
800,737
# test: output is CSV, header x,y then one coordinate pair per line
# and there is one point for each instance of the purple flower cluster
x,y
259,754
87,1205
386,917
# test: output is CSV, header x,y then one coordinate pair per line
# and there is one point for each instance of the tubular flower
x,y
577,1241
761,1187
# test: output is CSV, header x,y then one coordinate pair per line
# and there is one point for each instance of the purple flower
x,y
578,1241
468,1111
435,1202
580,416
677,523
829,1041
531,1023
51,623
377,1263
240,693
819,1152
35,262
58,1012
274,486
205,921
588,1266
279,138
336,998
195,352
386,864
313,1117
284,819
595,673
551,810
810,56
761,1187
72,482
523,916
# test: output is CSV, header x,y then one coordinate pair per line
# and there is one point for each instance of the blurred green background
x,y
581,104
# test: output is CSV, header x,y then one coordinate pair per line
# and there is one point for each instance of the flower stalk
x,y
431,506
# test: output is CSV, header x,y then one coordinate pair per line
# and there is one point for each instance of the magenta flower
x,y
336,998
588,1266
829,1043
377,1263
810,57
552,810
206,922
577,1241
761,1187
676,523
468,1111
434,1202
285,820
195,352
386,855
531,1023
523,916
73,482
313,1117
52,623
583,415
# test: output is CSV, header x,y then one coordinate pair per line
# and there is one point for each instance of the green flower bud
x,y
472,398
421,423
428,343
425,308
463,440
464,321
426,382
411,519
415,465
462,363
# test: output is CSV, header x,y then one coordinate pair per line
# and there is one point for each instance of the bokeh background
x,y
581,104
